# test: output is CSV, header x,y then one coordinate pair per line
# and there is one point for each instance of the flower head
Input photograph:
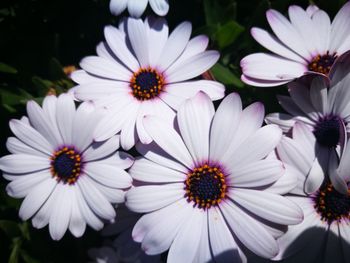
x,y
137,7
66,178
210,187
141,70
306,43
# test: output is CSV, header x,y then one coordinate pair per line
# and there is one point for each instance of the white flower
x,y
325,111
142,70
308,43
123,248
207,191
137,7
67,180
324,235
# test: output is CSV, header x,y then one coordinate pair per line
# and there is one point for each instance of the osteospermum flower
x,y
137,7
206,191
323,110
307,43
142,70
323,236
67,180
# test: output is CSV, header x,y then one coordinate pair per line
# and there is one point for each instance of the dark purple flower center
x,y
322,63
327,130
66,165
205,186
146,84
331,205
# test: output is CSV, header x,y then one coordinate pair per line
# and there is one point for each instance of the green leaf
x,y
226,76
15,250
4,68
27,258
42,85
228,33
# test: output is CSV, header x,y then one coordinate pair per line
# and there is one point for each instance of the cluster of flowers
x,y
209,185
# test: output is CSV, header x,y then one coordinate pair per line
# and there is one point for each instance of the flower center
x,y
66,165
205,186
331,205
146,84
327,130
322,64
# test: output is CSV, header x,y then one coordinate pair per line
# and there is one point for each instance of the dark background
x,y
39,37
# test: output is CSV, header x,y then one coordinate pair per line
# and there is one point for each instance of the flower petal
x,y
117,6
65,115
23,163
160,7
137,7
139,40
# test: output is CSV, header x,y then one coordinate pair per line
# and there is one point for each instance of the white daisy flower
x,y
307,43
137,7
325,111
140,70
207,191
123,248
324,235
67,180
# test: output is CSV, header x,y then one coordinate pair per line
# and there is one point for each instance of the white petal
x,y
287,33
312,9
156,154
137,7
287,182
284,121
222,243
194,118
90,218
117,42
21,186
344,231
119,159
105,69
82,77
337,181
23,163
30,137
333,251
113,195
303,24
195,46
253,235
101,149
96,201
139,39
158,32
224,125
270,42
192,67
186,242
289,106
108,175
160,7
305,138
258,146
316,175
340,28
42,123
271,207
65,117
148,171
128,134
145,199
168,139
117,6
16,146
271,67
256,174
204,248
262,82
157,238
36,198
318,94
320,20
175,45
77,224
250,121
61,213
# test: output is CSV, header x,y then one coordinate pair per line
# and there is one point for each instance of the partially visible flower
x,y
206,190
307,43
123,248
325,111
67,179
137,7
141,70
324,235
